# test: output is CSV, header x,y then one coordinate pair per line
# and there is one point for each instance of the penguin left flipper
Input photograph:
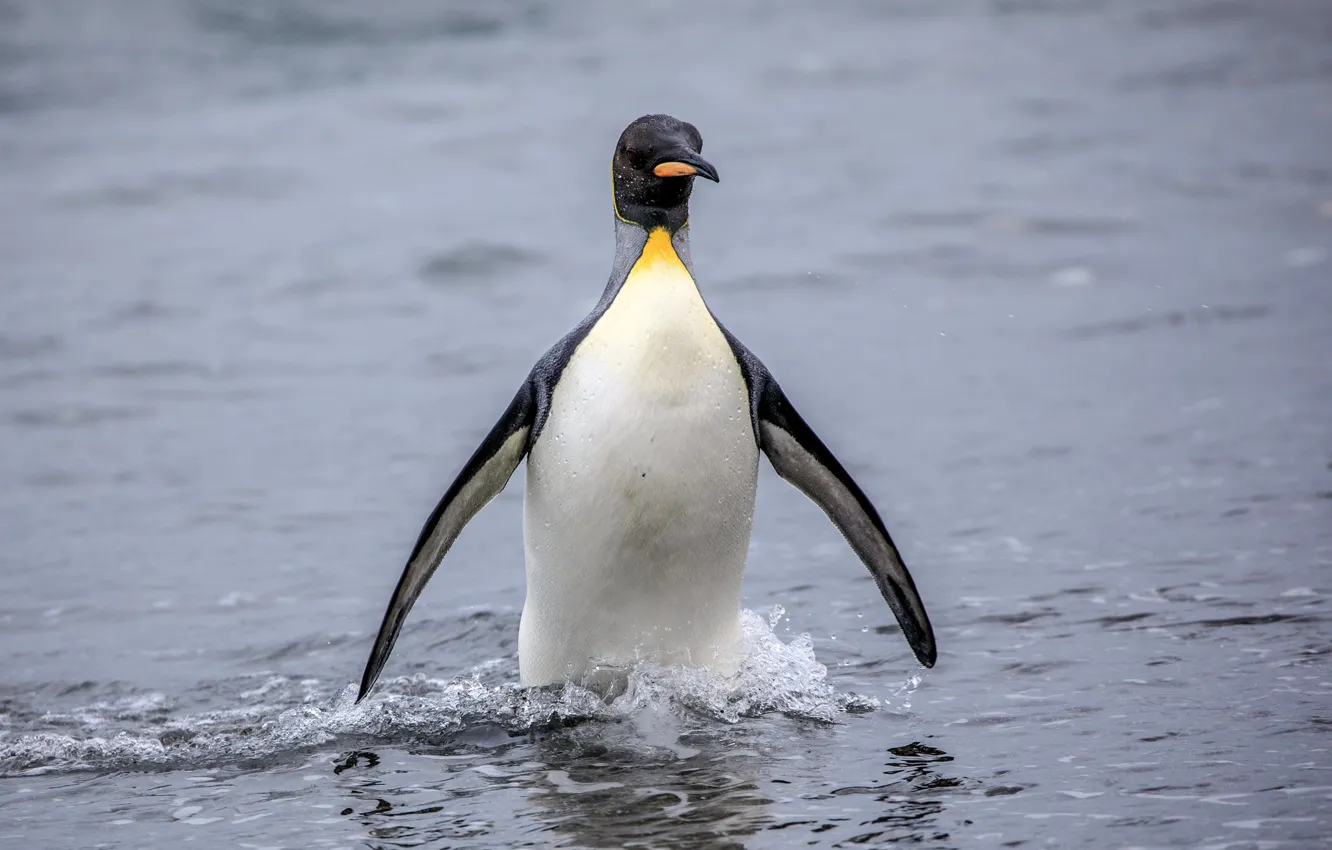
x,y
481,479
801,458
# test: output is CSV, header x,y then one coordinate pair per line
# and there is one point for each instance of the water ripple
x,y
285,715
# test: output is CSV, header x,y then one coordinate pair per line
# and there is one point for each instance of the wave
x,y
282,716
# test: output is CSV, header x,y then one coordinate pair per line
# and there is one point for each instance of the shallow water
x,y
1052,278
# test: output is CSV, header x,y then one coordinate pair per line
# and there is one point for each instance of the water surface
x,y
1051,278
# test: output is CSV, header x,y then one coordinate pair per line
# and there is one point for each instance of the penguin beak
x,y
685,163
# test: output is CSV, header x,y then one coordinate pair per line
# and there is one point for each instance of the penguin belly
x,y
640,494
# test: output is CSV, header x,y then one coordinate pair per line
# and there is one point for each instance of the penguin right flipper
x,y
481,480
801,458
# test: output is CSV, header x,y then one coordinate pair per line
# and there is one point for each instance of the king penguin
x,y
642,430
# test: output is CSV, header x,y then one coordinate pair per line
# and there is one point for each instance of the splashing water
x,y
138,731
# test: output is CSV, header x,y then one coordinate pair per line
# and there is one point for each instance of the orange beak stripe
x,y
674,169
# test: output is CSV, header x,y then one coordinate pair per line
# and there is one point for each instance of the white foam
x,y
775,677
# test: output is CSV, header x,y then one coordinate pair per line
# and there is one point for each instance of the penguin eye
x,y
635,158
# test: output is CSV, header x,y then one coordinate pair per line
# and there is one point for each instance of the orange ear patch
x,y
674,169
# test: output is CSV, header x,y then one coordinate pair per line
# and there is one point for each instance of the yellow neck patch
x,y
656,340
658,250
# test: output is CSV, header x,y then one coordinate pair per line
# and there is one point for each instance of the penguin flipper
x,y
481,479
801,458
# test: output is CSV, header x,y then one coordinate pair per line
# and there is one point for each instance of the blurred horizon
x,y
1050,277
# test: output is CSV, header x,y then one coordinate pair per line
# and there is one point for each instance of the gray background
x,y
1051,278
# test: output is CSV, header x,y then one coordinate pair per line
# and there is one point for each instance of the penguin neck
x,y
631,240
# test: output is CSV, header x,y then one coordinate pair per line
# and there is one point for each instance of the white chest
x,y
640,489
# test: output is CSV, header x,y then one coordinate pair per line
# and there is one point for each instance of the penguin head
x,y
653,171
